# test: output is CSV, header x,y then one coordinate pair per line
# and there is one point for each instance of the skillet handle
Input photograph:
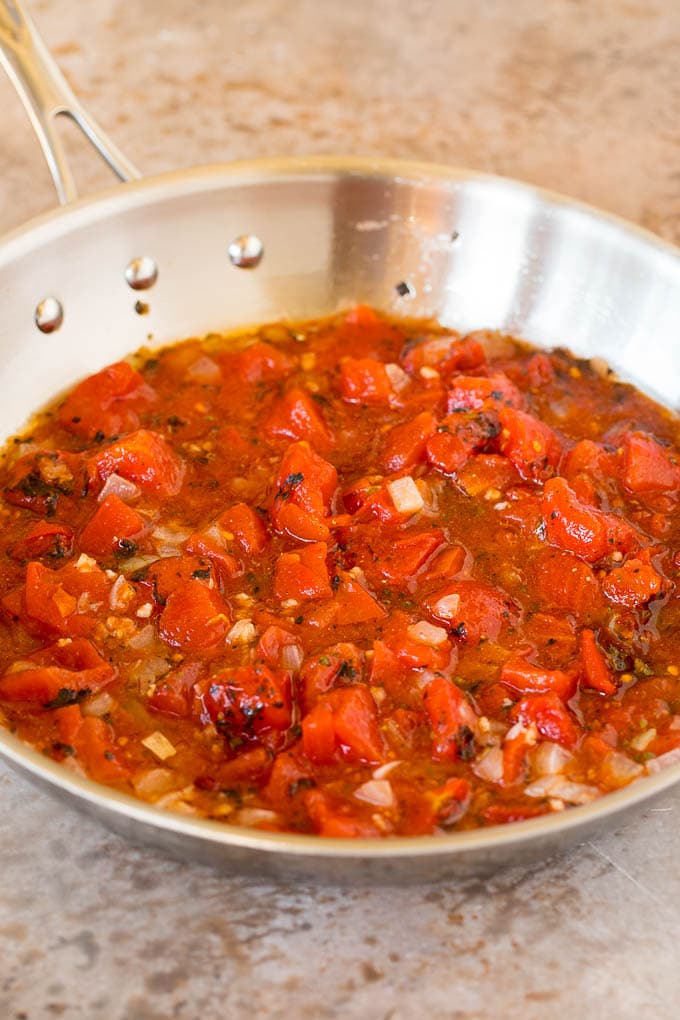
x,y
47,95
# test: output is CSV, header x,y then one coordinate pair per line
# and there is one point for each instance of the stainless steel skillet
x,y
421,240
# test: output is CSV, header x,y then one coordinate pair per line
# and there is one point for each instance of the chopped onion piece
x,y
489,766
137,563
99,705
558,786
169,540
642,741
242,633
85,563
384,770
204,370
618,769
447,607
397,376
153,782
425,633
159,745
663,761
548,758
146,671
143,638
292,657
121,594
405,495
121,487
254,816
377,792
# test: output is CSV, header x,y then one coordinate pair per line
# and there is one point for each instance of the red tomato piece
x,y
247,527
404,445
452,719
572,525
472,610
173,693
458,437
113,527
38,481
257,363
525,678
595,671
474,393
305,481
320,672
290,779
225,565
336,820
61,672
507,812
365,381
271,645
167,574
195,618
44,539
106,403
565,582
303,575
648,467
633,583
297,416
96,750
550,716
529,444
353,604
144,458
53,597
343,722
253,700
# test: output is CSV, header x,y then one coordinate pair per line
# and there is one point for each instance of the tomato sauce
x,y
355,577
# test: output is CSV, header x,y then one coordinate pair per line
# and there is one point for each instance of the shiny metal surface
x,y
335,231
473,251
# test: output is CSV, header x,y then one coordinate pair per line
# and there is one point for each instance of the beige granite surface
x,y
578,95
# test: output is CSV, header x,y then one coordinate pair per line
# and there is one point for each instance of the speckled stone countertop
x,y
577,95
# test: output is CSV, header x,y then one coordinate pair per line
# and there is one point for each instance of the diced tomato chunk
x,y
529,444
167,574
38,481
98,753
634,583
319,673
44,539
343,722
565,582
452,719
107,402
404,445
458,437
525,678
579,528
336,820
303,574
247,527
297,416
474,393
211,549
353,603
595,671
144,458
251,700
259,362
173,693
473,610
64,600
195,618
365,381
648,467
550,716
305,481
113,527
57,674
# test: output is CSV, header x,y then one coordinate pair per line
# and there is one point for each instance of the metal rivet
x,y
246,251
49,315
141,273
405,289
